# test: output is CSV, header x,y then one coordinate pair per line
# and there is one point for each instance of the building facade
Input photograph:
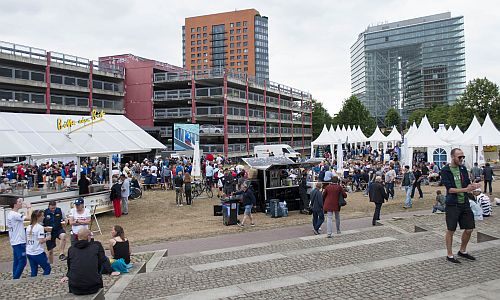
x,y
409,64
235,111
236,40
34,80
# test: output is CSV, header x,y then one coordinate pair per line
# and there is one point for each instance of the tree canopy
x,y
353,112
320,117
392,118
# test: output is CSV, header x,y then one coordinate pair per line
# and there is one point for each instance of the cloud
x,y
309,41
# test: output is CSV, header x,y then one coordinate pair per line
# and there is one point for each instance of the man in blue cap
x,y
79,218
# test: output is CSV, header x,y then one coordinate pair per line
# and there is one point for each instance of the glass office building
x,y
410,64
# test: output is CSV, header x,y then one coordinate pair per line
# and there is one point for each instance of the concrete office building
x,y
237,40
34,80
409,64
235,111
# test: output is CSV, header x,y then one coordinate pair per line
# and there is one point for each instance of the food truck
x,y
44,136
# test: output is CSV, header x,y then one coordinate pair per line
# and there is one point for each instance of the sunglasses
x,y
461,157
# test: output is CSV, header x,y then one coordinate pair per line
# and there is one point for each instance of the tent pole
x,y
78,171
110,168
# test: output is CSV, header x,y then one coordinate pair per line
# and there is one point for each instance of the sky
x,y
309,41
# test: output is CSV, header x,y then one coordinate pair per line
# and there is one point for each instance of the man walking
x,y
317,208
125,193
475,173
390,176
456,180
377,195
488,177
416,184
407,183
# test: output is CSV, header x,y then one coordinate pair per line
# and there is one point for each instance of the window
x,y
193,55
198,29
245,37
231,25
238,44
205,54
193,36
238,63
198,55
245,69
231,45
231,31
198,48
245,23
245,50
231,52
245,63
205,41
193,61
193,49
238,51
245,30
205,60
205,47
238,31
204,29
198,36
193,29
21,74
198,42
245,44
245,56
231,38
193,43
231,57
198,61
238,57
238,37
439,155
232,64
238,24
37,76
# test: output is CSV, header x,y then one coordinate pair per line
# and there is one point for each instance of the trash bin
x,y
230,209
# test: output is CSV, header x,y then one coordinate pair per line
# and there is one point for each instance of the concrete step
x,y
249,250
228,273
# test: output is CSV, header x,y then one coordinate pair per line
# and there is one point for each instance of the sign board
x,y
186,136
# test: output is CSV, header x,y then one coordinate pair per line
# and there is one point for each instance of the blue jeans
x,y
390,189
19,260
318,219
408,202
39,260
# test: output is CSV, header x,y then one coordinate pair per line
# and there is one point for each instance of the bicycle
x,y
201,187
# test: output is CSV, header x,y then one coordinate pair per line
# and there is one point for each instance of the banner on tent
x,y
490,148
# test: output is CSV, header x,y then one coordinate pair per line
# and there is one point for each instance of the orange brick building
x,y
237,40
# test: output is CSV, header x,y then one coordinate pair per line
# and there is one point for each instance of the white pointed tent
x,y
413,128
361,135
457,138
442,132
324,139
376,138
394,136
489,135
426,138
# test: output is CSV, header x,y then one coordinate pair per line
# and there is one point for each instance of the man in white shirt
x,y
79,218
390,176
209,174
4,186
17,236
125,193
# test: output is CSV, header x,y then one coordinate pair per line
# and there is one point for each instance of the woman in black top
x,y
119,244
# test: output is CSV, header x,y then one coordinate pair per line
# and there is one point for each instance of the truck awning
x,y
264,163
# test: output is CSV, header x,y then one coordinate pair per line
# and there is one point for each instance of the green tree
x,y
438,115
353,112
320,117
416,116
481,97
392,118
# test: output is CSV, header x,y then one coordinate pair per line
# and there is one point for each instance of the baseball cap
x,y
78,201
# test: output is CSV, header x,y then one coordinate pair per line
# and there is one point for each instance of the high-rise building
x,y
409,64
235,40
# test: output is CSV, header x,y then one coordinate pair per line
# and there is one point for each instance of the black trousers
x,y
376,214
416,185
486,183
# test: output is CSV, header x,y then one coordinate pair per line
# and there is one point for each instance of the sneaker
x,y
329,236
62,257
241,225
466,255
453,260
253,225
315,232
181,205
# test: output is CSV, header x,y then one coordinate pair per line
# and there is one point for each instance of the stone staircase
x,y
391,261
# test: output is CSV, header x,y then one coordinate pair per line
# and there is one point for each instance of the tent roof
x,y
425,136
264,163
457,137
361,135
37,135
394,135
323,138
377,136
489,134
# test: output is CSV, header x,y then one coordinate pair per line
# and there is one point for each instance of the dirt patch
x,y
156,218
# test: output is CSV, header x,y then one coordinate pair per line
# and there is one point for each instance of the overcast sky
x,y
309,41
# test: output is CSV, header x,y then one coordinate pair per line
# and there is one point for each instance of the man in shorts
x,y
54,217
248,201
455,178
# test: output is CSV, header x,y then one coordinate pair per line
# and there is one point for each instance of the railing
x,y
69,60
166,131
13,73
23,51
172,113
116,105
13,96
107,86
172,95
109,68
69,101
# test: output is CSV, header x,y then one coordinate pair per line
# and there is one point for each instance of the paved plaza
x,y
404,258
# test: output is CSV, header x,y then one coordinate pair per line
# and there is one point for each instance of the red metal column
x,y
311,116
248,125
193,98
47,82
226,150
91,86
279,111
302,115
291,117
265,114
